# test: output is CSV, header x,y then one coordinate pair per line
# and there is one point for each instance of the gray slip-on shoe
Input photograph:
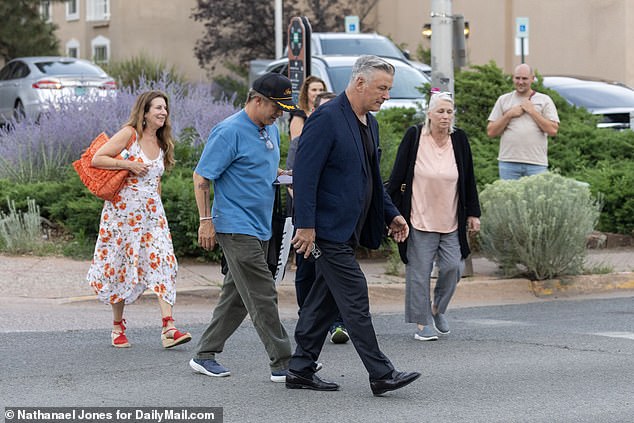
x,y
426,334
441,324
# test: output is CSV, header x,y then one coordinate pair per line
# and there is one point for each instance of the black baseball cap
x,y
276,87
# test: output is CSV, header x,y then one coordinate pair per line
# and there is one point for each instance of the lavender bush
x,y
39,151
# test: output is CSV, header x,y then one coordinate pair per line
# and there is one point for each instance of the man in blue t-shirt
x,y
241,157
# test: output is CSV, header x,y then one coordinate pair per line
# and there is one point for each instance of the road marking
x,y
625,335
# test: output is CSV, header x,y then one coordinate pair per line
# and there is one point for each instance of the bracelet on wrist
x,y
205,218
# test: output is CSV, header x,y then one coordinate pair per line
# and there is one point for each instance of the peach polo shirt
x,y
435,188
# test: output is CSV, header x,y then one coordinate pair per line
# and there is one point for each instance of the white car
x,y
336,71
30,86
343,43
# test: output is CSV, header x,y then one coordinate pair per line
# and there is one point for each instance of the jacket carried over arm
x,y
399,186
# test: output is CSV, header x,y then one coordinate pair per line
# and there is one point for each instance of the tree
x,y
242,30
24,32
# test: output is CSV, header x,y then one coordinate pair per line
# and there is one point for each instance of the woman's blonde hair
x,y
433,104
303,91
163,134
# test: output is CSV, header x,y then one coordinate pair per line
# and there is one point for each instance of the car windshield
x,y
355,47
406,81
598,97
68,68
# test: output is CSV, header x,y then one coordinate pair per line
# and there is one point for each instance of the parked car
x,y
348,44
613,101
29,86
336,71
330,43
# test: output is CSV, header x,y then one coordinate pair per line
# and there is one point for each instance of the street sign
x,y
521,27
521,44
352,24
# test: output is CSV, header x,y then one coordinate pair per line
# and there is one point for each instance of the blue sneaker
x,y
209,367
279,376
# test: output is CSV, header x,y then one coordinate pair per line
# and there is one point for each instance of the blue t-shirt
x,y
243,169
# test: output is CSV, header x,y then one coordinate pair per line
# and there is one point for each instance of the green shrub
x,y
20,232
600,157
182,214
539,222
392,126
130,72
233,85
614,181
69,204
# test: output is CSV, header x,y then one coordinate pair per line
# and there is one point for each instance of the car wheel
x,y
18,111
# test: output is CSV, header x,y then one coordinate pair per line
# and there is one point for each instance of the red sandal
x,y
119,340
172,337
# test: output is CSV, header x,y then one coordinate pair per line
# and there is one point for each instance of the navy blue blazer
x,y
330,174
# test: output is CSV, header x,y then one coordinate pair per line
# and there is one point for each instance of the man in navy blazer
x,y
340,203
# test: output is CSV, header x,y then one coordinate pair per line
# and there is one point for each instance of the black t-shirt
x,y
369,156
297,113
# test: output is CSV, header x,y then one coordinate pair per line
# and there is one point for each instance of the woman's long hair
x,y
163,134
303,91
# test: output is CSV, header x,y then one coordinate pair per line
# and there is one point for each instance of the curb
x,y
471,292
387,294
582,284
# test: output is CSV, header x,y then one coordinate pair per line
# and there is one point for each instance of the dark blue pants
x,y
340,284
304,280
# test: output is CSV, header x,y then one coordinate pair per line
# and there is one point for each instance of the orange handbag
x,y
104,183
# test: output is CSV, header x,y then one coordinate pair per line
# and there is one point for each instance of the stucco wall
x,y
573,37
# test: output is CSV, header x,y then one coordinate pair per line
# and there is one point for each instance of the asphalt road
x,y
554,361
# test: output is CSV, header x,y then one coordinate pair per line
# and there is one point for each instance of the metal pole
x,y
442,77
278,29
522,48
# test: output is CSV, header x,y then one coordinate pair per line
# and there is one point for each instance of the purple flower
x,y
36,151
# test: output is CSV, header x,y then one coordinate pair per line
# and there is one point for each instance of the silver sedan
x,y
30,86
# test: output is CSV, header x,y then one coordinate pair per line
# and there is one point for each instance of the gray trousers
x,y
248,288
422,247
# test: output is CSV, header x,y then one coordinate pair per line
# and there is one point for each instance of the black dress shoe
x,y
295,381
398,380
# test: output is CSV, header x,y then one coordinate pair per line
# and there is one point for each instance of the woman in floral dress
x,y
134,250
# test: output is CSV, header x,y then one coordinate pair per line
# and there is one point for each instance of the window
x,y
97,10
72,10
69,67
14,70
100,49
21,70
46,10
5,73
72,48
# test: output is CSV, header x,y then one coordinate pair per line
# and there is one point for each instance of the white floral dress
x,y
134,249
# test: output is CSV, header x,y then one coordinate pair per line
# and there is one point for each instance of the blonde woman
x,y
134,249
433,185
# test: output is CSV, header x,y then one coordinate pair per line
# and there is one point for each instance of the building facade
x,y
566,37
117,30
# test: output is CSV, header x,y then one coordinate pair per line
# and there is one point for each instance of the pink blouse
x,y
435,188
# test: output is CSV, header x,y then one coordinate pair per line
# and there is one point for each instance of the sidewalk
x,y
63,279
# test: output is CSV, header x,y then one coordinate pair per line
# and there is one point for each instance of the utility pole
x,y
442,78
278,29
